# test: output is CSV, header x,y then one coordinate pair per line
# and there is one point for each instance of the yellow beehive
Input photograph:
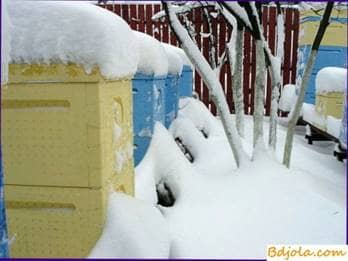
x,y
67,139
329,104
335,34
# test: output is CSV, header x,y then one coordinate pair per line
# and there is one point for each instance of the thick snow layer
x,y
72,32
310,115
334,126
132,229
331,79
224,212
174,59
153,58
185,60
288,98
5,41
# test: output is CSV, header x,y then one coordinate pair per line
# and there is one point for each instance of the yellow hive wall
x,y
63,151
329,104
54,222
61,133
335,35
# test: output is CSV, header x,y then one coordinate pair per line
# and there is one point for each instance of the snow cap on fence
x,y
175,63
72,32
153,58
331,79
185,60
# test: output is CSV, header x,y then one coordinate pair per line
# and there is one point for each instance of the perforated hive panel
x,y
335,34
54,222
67,140
60,133
330,104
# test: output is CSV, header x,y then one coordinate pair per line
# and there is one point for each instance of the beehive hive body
x,y
333,47
67,140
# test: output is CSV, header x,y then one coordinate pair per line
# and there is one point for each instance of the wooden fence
x,y
139,18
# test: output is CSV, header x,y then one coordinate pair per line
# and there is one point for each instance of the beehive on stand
x,y
67,140
148,93
172,85
333,47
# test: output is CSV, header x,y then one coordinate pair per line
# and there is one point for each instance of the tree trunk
x,y
237,81
259,92
210,79
306,75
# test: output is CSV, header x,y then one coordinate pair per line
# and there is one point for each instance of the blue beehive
x,y
327,56
333,48
186,82
148,107
171,98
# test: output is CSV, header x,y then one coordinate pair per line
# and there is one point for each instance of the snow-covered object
x,y
153,59
310,115
343,129
5,41
174,59
185,60
331,79
288,98
132,229
72,32
333,126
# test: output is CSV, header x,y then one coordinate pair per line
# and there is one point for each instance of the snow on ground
x,y
153,59
72,32
132,228
331,79
224,212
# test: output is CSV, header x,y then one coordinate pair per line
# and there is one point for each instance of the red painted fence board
x,y
139,18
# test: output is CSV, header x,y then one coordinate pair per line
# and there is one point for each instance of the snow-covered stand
x,y
175,66
66,125
333,48
148,92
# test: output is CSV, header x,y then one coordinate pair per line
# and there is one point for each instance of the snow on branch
x,y
211,80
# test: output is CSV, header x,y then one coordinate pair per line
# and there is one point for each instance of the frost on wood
x,y
210,79
259,93
237,81
72,32
153,58
5,41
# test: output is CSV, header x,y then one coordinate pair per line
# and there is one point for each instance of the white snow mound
x,y
331,79
288,98
72,32
153,58
132,229
185,60
174,59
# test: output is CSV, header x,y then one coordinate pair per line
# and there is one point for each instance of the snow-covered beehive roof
x,y
72,32
331,79
153,59
175,63
185,60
